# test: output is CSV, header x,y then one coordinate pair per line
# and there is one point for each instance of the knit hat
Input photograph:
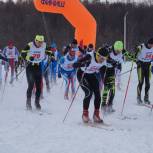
x,y
103,51
118,45
150,41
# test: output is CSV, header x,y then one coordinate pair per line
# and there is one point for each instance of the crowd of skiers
x,y
97,71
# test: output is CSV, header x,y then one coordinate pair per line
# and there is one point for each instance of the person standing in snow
x,y
144,55
86,74
68,71
54,66
12,54
114,61
2,58
34,54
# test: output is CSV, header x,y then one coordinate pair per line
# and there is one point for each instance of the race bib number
x,y
36,56
149,56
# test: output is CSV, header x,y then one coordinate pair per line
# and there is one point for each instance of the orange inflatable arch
x,y
73,10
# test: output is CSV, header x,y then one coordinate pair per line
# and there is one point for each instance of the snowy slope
x,y
29,132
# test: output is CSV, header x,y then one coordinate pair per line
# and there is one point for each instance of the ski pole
x,y
127,88
127,71
74,96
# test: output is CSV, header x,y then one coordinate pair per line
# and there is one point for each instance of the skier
x,y
11,53
54,66
2,58
34,53
86,74
114,61
45,71
68,72
144,55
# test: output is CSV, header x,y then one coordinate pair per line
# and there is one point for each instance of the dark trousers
x,y
109,91
89,85
34,76
144,73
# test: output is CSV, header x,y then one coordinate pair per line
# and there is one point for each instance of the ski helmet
x,y
118,46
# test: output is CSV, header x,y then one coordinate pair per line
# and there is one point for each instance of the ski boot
x,y
28,104
139,100
37,104
96,117
11,81
66,97
146,100
47,87
85,116
110,109
104,108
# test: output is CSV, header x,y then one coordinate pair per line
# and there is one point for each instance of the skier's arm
x,y
3,58
83,61
50,53
25,51
129,55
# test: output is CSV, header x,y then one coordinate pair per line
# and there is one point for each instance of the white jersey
x,y
118,58
67,64
37,53
11,53
146,54
93,66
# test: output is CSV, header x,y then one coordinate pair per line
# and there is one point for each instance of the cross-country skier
x,y
68,71
144,55
34,53
90,65
2,58
114,61
12,54
54,66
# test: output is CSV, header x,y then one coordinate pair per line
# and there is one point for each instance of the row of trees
x,y
20,22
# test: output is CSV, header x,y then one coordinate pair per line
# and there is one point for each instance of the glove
x,y
77,65
31,58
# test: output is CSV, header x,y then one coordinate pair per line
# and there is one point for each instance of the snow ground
x,y
30,132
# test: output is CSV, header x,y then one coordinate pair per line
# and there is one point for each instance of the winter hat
x,y
39,38
150,41
90,46
53,45
118,45
103,51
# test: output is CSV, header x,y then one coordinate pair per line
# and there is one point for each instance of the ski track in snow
x,y
22,131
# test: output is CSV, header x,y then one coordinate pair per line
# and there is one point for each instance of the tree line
x,y
20,22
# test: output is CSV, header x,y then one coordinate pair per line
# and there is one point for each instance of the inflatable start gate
x,y
73,10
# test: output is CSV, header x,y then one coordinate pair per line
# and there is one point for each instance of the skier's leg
x,y
97,100
67,84
111,96
73,84
12,66
147,84
140,83
30,80
54,71
0,74
38,81
85,85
